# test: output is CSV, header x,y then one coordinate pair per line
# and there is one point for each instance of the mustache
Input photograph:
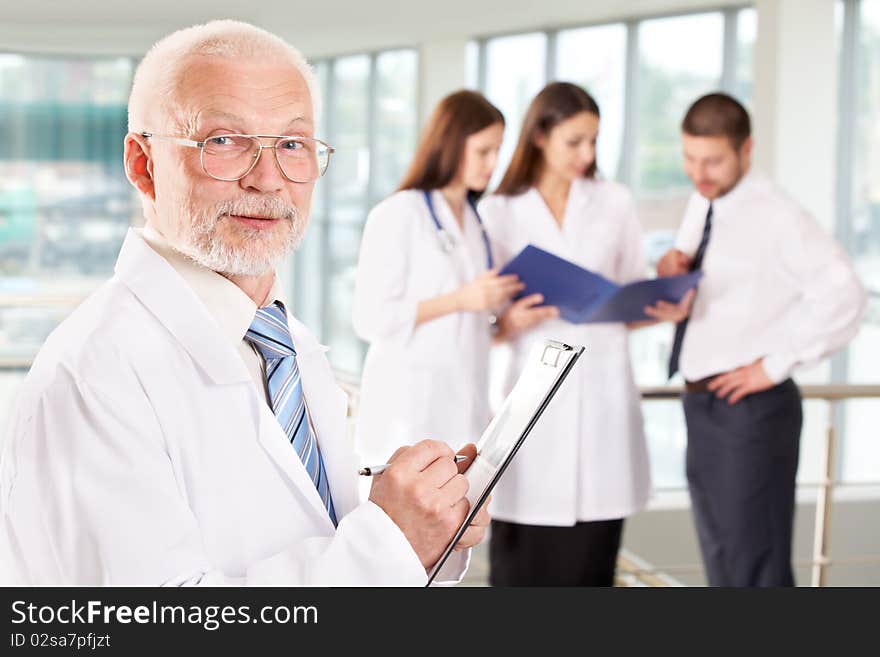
x,y
268,207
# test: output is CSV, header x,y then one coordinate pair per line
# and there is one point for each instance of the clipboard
x,y
547,366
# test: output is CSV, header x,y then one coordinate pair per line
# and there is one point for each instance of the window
x,y
65,203
515,72
859,223
595,58
370,118
643,75
746,34
672,73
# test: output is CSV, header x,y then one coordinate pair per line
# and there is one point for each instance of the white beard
x,y
257,252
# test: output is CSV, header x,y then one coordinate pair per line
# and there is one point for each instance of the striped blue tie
x,y
271,336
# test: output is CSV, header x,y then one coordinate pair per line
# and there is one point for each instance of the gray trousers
x,y
741,466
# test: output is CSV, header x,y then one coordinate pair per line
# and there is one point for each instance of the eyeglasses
x,y
232,157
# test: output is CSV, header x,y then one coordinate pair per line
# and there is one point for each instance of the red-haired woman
x,y
558,511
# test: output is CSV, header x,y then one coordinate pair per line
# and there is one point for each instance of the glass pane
x,y
666,435
515,72
308,276
308,261
861,461
348,118
865,217
861,453
65,204
746,33
595,58
346,350
396,102
673,72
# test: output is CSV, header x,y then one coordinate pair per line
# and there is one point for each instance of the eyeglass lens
x,y
231,157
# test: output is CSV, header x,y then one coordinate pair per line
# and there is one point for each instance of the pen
x,y
379,469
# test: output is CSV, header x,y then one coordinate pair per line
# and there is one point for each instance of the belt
x,y
699,386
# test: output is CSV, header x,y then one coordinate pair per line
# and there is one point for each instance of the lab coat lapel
x,y
278,447
327,404
545,232
175,304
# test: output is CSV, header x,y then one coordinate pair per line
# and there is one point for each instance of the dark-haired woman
x,y
425,288
558,511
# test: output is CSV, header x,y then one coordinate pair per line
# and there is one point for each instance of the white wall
x,y
796,100
442,69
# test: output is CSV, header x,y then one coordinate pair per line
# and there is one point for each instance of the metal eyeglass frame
x,y
256,138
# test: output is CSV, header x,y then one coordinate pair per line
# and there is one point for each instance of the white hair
x,y
157,74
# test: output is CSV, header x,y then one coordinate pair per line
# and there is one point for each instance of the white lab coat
x,y
431,380
586,459
141,452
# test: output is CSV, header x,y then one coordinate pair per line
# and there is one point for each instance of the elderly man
x,y
180,427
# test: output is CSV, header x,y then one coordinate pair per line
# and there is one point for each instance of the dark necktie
x,y
696,263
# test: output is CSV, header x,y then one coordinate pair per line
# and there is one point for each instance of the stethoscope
x,y
447,243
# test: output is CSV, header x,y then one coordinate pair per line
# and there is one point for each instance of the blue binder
x,y
583,296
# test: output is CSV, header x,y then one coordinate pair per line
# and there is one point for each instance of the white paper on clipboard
x,y
546,368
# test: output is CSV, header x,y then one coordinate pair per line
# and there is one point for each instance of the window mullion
x,y
550,57
626,169
729,52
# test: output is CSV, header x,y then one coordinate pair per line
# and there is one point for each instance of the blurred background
x,y
808,70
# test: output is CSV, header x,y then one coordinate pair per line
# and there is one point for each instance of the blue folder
x,y
583,296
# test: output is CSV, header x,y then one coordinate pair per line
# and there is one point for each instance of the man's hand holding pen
x,y
423,491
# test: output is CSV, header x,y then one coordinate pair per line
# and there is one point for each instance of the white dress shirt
x,y
226,302
775,285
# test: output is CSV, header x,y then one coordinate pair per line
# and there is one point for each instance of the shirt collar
x,y
741,189
227,303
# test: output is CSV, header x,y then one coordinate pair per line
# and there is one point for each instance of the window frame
x,y
629,142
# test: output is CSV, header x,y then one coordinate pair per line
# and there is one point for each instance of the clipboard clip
x,y
552,351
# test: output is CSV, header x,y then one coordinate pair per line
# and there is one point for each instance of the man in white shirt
x,y
777,293
180,427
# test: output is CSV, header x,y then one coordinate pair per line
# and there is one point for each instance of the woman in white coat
x,y
426,286
558,511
